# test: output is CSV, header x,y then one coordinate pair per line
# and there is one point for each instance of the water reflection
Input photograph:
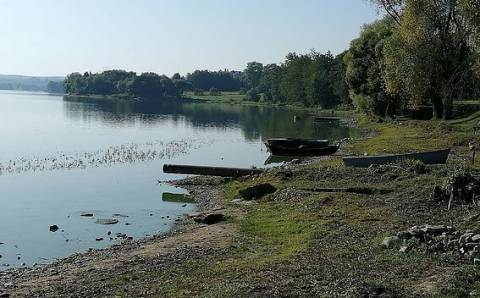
x,y
255,122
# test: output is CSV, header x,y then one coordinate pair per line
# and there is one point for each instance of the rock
x,y
54,228
295,161
257,191
465,238
87,214
404,235
390,242
99,239
192,215
106,221
416,232
434,230
404,249
211,218
475,238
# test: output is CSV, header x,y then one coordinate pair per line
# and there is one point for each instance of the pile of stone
x,y
439,239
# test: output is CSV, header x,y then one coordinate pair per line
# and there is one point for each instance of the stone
x,y
390,242
257,191
106,221
475,238
404,235
54,228
435,230
416,232
211,218
99,239
87,214
465,237
192,214
404,249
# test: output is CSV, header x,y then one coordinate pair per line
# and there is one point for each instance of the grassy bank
x,y
300,243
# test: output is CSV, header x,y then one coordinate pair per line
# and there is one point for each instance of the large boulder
x,y
257,191
210,218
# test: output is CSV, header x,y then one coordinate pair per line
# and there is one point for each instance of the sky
x,y
57,37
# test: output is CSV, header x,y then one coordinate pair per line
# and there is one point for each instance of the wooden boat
x,y
290,142
302,150
427,157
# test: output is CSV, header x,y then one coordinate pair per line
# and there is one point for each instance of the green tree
x,y
365,69
253,74
432,54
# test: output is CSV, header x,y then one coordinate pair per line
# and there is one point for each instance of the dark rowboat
x,y
290,142
300,147
427,157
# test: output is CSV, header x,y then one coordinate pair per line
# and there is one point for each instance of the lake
x,y
61,158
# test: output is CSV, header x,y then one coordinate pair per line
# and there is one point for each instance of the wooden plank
x,y
209,171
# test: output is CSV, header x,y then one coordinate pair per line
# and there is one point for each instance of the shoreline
x,y
294,241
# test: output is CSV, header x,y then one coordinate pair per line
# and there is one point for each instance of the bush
x,y
198,92
215,92
252,95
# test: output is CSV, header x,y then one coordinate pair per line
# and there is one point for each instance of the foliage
x,y
214,92
306,79
253,74
198,92
252,95
432,53
221,80
55,87
114,82
365,70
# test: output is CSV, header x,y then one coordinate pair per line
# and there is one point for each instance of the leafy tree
x,y
270,82
432,55
365,69
253,74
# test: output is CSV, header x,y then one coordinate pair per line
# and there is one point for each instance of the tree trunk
x,y
437,106
447,108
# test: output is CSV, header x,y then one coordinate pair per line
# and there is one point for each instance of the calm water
x,y
60,158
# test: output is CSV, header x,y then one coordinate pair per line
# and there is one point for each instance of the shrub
x,y
215,92
198,92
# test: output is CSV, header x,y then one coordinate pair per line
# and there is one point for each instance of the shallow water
x,y
60,158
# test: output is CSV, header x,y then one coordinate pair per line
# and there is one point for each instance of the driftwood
x,y
209,171
355,190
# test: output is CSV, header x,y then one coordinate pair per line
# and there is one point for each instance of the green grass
x,y
227,97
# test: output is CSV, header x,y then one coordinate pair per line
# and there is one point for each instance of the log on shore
x,y
209,171
355,190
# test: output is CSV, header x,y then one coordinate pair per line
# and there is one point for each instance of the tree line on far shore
x,y
421,52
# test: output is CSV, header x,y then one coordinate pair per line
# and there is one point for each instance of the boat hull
x,y
294,143
302,151
428,157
